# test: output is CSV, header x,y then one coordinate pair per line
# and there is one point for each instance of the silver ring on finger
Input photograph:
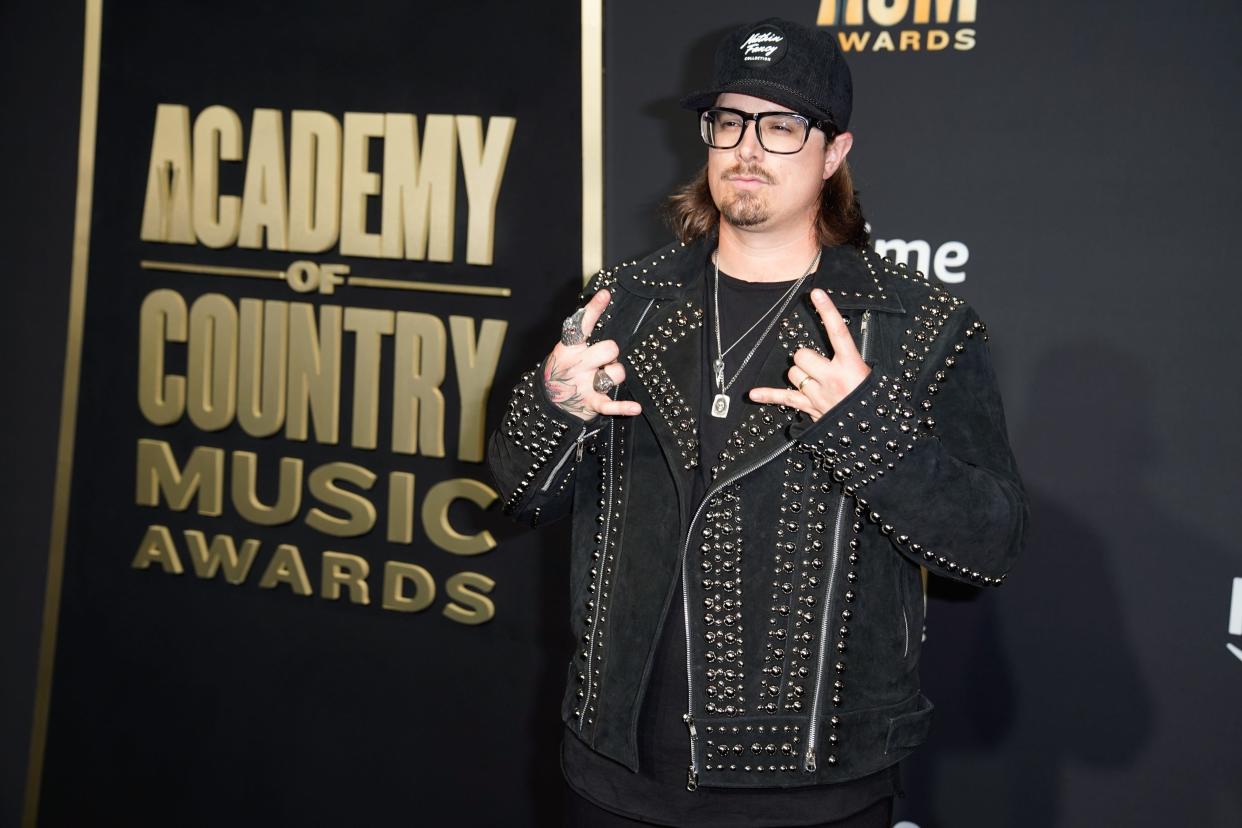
x,y
571,328
602,382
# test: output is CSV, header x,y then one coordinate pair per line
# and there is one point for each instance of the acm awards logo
x,y
901,25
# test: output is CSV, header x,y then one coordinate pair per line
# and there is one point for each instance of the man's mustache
x,y
745,171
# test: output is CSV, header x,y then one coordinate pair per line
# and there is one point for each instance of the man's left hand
x,y
820,383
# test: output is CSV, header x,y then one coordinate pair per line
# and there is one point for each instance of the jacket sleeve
x,y
926,453
534,452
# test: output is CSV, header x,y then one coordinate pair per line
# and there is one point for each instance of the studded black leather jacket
x,y
801,564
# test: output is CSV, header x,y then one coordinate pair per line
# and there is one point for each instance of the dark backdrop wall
x,y
42,60
1069,173
371,651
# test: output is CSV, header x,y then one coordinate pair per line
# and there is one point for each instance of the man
x,y
761,434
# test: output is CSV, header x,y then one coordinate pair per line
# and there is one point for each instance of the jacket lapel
x,y
664,358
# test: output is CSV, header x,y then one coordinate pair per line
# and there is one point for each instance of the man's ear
x,y
835,153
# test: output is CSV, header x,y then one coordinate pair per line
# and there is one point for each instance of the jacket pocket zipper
x,y
905,631
576,448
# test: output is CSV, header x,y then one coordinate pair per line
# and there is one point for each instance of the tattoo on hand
x,y
561,391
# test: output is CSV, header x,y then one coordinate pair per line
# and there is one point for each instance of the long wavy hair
x,y
692,214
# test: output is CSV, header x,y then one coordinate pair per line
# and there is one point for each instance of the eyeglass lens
x,y
778,131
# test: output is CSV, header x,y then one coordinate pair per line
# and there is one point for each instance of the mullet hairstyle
x,y
692,214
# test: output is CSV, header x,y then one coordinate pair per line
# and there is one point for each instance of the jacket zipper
x,y
692,773
576,448
812,734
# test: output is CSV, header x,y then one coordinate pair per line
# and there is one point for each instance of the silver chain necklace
x,y
720,403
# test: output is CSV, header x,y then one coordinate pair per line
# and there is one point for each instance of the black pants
x,y
582,813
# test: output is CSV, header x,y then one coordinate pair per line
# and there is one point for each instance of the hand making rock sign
x,y
577,376
819,382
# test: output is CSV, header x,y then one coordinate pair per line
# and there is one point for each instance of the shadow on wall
x,y
1041,673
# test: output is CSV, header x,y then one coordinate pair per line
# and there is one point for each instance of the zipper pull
x,y
810,760
862,334
692,776
581,445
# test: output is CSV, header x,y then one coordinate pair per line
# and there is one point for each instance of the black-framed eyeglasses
x,y
783,133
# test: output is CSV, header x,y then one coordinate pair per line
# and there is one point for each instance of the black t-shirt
x,y
742,304
657,793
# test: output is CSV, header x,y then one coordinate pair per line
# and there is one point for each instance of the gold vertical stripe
x,y
68,405
592,137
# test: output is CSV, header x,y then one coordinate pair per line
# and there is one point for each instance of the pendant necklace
x,y
720,403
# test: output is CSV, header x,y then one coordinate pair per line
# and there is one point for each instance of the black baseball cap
x,y
786,62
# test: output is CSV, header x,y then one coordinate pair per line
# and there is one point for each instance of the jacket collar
x,y
675,271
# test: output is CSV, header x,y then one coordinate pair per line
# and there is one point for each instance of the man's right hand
x,y
569,371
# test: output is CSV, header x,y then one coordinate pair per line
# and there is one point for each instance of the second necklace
x,y
720,403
